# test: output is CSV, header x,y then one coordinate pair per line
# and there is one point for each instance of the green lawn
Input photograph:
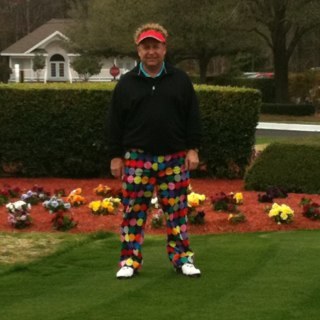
x,y
245,276
264,139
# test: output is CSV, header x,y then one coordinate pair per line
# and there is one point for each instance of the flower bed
x,y
215,222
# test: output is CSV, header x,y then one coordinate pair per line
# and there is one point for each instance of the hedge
x,y
229,119
291,166
288,109
265,85
60,129
53,130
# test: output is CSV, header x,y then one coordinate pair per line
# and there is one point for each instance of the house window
x,y
53,70
61,69
57,64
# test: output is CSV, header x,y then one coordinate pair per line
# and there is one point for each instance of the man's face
x,y
151,53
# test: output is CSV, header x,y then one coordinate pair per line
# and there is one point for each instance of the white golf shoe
x,y
125,273
189,270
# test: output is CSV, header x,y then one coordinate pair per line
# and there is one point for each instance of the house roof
x,y
36,37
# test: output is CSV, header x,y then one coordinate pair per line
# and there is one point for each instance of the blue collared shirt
x,y
146,74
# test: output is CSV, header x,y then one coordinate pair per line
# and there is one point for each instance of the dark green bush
x,y
229,119
60,130
55,130
265,85
288,109
291,166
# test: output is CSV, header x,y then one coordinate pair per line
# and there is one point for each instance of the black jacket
x,y
158,115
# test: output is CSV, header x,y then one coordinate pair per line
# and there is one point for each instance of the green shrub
x,y
292,166
288,109
265,85
229,119
55,130
60,129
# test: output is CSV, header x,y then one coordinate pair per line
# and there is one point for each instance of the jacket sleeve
x,y
115,125
193,119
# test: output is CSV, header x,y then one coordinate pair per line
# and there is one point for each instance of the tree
x,y
105,27
202,30
281,24
197,31
86,66
39,62
20,17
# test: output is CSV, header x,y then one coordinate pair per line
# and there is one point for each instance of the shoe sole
x,y
125,278
192,275
179,271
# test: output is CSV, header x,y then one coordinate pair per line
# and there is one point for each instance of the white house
x,y
49,39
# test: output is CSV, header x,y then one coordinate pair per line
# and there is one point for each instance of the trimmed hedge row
x,y
53,130
60,129
265,85
292,166
229,120
288,109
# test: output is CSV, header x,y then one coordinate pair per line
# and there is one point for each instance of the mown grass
x,y
265,139
245,276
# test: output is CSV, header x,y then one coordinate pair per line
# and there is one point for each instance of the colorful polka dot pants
x,y
144,172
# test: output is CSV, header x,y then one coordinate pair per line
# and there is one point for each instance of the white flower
x,y
10,207
45,203
67,205
19,204
55,203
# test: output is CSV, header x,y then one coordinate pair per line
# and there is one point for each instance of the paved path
x,y
288,127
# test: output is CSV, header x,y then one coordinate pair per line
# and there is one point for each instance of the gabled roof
x,y
31,41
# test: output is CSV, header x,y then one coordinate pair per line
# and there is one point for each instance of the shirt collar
x,y
146,74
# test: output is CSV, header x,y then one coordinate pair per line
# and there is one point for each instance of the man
x,y
154,138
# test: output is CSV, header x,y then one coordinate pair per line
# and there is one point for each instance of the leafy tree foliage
x,y
202,30
197,31
106,27
39,63
86,66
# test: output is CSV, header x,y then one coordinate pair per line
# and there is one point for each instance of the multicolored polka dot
x,y
143,172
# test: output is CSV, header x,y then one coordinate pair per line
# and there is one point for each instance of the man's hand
x,y
117,167
192,159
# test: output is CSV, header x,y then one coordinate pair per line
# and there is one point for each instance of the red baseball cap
x,y
151,34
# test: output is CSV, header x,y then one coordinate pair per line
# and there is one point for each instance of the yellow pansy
x,y
194,199
95,205
238,197
105,203
286,209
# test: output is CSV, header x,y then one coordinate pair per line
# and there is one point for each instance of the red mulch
x,y
215,222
